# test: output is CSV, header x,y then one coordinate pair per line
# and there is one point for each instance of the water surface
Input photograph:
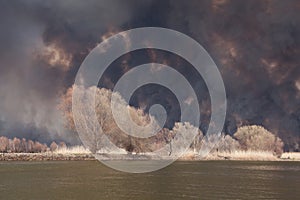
x,y
182,180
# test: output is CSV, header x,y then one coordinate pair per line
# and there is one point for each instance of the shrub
x,y
182,131
37,147
257,138
227,144
62,145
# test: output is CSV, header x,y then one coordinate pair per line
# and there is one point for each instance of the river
x,y
90,180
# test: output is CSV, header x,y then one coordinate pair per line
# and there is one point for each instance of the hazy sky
x,y
255,44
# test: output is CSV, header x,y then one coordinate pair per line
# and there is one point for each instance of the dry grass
x,y
190,155
72,150
291,156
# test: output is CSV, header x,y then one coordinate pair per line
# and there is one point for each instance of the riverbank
x,y
244,156
44,157
238,155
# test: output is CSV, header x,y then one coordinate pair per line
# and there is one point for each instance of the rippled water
x,y
182,180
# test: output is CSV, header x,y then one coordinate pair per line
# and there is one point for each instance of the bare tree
x,y
4,144
17,145
24,145
30,146
11,146
53,146
98,134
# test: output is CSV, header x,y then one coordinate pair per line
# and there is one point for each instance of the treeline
x,y
247,138
17,145
252,138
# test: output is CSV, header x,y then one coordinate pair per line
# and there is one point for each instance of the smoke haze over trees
x,y
17,145
255,44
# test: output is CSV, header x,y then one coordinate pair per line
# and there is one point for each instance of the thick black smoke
x,y
42,46
255,44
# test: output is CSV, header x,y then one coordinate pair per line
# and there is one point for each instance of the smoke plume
x,y
254,43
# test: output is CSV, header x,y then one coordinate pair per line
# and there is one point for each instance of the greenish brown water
x,y
182,180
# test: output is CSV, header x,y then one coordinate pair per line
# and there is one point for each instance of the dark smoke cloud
x,y
255,44
35,36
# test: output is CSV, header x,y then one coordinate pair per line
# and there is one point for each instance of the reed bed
x,y
72,150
